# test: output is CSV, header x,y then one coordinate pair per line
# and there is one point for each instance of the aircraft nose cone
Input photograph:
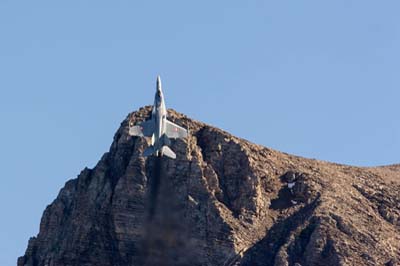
x,y
158,83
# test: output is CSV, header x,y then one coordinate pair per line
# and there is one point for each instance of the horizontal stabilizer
x,y
165,150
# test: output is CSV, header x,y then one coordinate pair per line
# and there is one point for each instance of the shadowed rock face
x,y
223,201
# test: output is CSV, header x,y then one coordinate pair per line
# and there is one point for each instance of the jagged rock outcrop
x,y
223,201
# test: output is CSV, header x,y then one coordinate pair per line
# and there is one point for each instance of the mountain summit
x,y
223,201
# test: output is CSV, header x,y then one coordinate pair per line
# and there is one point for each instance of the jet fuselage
x,y
160,115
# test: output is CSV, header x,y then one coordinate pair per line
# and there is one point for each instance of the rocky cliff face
x,y
223,201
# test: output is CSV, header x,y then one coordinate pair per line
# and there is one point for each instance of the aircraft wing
x,y
136,131
174,131
145,128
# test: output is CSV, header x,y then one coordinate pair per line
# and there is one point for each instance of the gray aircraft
x,y
159,128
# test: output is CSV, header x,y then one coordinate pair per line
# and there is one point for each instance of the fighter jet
x,y
159,128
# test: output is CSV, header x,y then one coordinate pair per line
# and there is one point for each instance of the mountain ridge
x,y
223,201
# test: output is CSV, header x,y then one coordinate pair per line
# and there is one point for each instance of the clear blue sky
x,y
318,79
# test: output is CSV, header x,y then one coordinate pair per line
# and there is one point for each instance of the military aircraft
x,y
159,128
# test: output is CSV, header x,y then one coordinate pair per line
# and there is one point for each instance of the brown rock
x,y
223,201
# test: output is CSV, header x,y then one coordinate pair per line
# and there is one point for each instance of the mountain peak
x,y
223,201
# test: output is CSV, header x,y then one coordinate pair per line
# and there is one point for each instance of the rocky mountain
x,y
223,201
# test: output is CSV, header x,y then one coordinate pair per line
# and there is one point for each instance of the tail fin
x,y
165,150
149,151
